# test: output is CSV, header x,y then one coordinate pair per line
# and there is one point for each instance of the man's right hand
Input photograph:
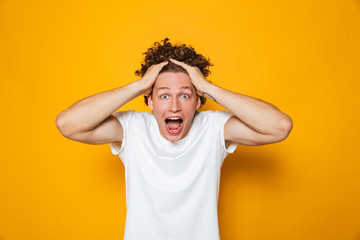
x,y
91,119
150,76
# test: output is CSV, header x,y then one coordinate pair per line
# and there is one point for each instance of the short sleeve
x,y
222,117
124,118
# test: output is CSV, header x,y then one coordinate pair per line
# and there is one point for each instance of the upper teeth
x,y
173,118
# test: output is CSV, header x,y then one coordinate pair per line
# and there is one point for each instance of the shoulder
x,y
216,117
131,116
123,114
213,123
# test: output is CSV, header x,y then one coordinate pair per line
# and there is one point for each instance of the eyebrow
x,y
183,87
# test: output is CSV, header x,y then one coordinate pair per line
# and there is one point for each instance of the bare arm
x,y
90,120
256,122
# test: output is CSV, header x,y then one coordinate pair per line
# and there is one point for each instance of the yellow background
x,y
301,56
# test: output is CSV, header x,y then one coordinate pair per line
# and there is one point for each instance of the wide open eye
x,y
185,96
164,96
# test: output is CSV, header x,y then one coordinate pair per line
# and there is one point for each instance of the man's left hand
x,y
196,76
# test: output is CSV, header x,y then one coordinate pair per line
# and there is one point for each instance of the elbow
x,y
286,127
283,129
61,125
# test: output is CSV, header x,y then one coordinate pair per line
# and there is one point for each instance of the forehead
x,y
173,81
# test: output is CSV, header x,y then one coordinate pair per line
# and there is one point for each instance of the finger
x,y
179,63
175,61
163,63
158,66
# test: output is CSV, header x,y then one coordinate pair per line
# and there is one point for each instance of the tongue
x,y
173,124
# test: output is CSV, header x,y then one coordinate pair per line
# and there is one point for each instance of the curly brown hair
x,y
160,53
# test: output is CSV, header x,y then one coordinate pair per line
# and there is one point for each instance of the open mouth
x,y
174,125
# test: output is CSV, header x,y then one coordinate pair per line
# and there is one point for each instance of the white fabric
x,y
172,188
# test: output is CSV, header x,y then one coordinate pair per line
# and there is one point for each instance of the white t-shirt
x,y
172,188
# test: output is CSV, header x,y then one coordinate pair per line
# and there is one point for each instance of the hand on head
x,y
196,76
150,76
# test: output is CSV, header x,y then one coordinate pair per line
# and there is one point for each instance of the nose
x,y
174,105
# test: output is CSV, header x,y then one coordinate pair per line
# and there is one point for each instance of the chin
x,y
173,137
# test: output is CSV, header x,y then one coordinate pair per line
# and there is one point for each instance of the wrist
x,y
207,88
209,91
137,88
140,87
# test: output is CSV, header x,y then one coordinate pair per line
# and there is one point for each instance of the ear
x,y
198,103
150,102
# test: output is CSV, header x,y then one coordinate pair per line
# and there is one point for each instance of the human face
x,y
174,102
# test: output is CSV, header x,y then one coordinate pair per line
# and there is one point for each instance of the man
x,y
173,156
